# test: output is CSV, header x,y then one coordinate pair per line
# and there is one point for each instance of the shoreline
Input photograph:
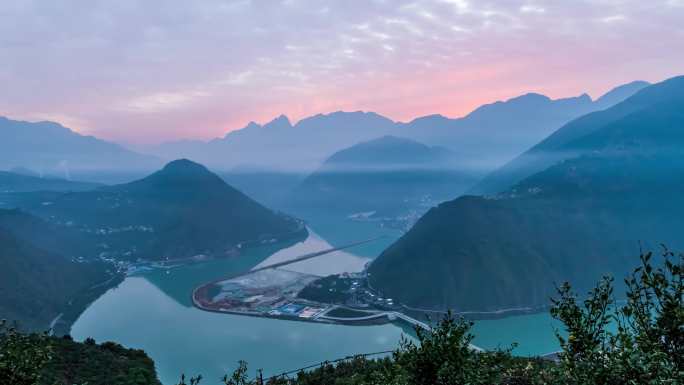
x,y
289,239
324,321
375,317
62,323
482,315
301,258
472,315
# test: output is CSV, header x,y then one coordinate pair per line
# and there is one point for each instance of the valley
x,y
213,342
361,246
166,317
613,186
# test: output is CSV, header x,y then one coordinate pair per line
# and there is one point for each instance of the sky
x,y
148,71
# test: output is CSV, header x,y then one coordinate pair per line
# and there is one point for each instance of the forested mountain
x,y
495,133
554,148
617,182
385,176
55,149
49,265
40,276
180,211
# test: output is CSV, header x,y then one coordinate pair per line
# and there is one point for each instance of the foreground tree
x,y
640,341
445,355
604,342
22,356
647,346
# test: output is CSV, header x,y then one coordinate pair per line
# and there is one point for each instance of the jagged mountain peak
x,y
281,121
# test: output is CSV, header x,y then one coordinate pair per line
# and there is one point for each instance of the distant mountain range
x,y
39,278
180,211
389,176
550,150
56,150
53,258
281,146
606,182
484,139
495,133
389,153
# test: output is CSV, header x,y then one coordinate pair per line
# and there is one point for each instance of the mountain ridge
x,y
544,153
520,122
55,149
39,281
575,221
391,177
180,211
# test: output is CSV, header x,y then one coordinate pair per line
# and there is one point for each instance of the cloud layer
x,y
154,70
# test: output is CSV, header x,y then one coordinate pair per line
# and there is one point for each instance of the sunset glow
x,y
149,71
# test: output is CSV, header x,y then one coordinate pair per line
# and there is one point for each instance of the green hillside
x,y
180,211
576,220
36,283
557,146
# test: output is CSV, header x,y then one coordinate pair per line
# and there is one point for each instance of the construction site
x,y
272,291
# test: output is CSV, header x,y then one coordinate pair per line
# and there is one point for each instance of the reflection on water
x,y
338,230
153,312
178,283
184,339
332,263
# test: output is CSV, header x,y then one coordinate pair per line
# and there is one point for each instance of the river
x,y
152,311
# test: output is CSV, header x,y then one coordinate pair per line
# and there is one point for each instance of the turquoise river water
x,y
152,311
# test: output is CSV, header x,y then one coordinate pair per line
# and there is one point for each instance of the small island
x,y
274,292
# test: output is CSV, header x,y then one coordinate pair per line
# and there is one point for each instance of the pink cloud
x,y
156,70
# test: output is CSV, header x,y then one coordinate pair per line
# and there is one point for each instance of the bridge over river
x,y
390,315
